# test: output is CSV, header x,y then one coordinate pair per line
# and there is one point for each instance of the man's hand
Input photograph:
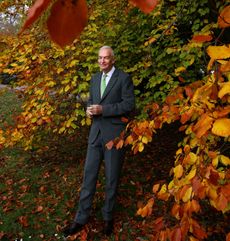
x,y
94,110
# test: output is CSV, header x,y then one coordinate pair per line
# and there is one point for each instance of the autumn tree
x,y
178,56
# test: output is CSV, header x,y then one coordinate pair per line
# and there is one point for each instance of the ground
x,y
40,189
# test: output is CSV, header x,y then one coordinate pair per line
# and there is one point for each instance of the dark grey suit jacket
x,y
117,102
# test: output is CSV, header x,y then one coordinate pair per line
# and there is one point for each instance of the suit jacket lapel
x,y
98,88
110,85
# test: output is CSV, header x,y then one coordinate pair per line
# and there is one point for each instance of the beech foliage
x,y
178,55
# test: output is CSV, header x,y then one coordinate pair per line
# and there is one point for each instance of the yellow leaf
x,y
219,52
215,161
187,195
59,70
212,193
179,70
192,158
2,140
61,130
67,88
225,89
225,160
144,140
34,120
179,151
171,185
191,174
140,147
221,127
88,121
178,171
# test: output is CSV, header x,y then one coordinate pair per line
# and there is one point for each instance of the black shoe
x,y
108,227
72,229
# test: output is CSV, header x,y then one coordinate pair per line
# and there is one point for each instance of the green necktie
x,y
103,84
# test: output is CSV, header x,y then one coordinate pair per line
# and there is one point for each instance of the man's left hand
x,y
95,109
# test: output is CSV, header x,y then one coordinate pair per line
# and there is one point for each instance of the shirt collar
x,y
110,73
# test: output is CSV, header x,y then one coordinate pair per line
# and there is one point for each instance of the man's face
x,y
105,60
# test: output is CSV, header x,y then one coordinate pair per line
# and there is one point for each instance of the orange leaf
x,y
146,6
156,188
34,12
176,211
225,67
224,18
219,52
120,144
109,145
71,17
201,38
226,190
203,125
225,89
221,127
222,202
222,112
228,237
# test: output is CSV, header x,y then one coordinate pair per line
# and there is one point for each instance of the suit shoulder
x,y
123,74
96,75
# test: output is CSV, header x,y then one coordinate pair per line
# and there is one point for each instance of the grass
x,y
10,106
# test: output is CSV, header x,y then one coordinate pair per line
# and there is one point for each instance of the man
x,y
111,98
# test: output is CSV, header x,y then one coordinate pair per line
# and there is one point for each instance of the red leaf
x,y
176,234
67,20
158,224
201,38
34,12
146,6
189,92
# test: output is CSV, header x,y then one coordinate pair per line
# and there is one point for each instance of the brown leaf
x,y
39,209
23,220
146,6
34,12
67,20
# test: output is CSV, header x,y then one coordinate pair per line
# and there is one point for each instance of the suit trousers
x,y
113,159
